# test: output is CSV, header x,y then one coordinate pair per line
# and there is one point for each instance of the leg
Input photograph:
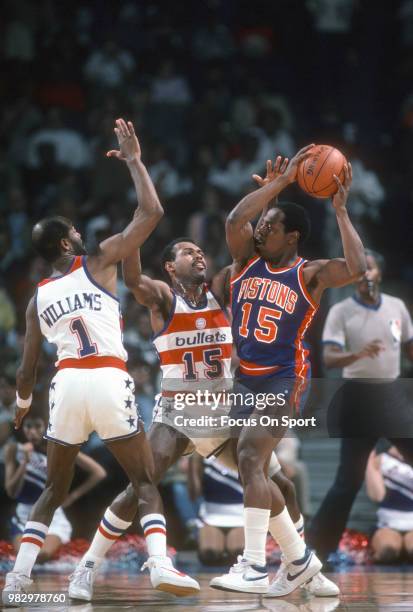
x,y
57,487
50,548
166,447
287,489
408,545
235,542
211,545
387,545
330,520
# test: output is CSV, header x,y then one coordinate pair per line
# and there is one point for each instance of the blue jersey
x,y
271,310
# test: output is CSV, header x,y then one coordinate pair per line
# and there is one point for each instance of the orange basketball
x,y
315,174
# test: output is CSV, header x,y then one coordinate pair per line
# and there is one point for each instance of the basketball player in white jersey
x,y
76,308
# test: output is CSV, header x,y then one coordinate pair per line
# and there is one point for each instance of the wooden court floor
x,y
362,589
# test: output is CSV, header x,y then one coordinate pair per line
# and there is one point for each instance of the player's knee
x,y
249,463
388,554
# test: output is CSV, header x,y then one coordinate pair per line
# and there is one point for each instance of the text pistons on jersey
x,y
271,290
69,304
200,338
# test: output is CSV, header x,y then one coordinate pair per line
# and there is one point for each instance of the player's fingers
x,y
269,167
284,165
131,128
258,179
350,171
112,154
123,128
277,164
338,182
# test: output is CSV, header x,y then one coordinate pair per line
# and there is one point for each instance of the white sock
x,y
255,531
110,529
31,543
154,530
299,525
284,532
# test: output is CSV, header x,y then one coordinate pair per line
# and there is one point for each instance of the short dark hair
x,y
296,218
169,252
378,258
47,234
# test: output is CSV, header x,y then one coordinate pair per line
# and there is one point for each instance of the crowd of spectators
x,y
214,89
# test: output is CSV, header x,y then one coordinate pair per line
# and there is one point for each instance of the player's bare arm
x,y
154,294
146,216
26,373
323,273
239,231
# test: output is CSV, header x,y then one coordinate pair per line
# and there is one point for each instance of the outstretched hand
x,y
128,142
280,166
340,198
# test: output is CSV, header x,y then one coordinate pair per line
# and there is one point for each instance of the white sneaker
x,y
81,583
15,583
294,574
243,576
165,577
320,586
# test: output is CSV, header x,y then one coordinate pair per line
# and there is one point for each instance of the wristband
x,y
24,403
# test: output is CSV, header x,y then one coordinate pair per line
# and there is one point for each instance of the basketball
x,y
315,174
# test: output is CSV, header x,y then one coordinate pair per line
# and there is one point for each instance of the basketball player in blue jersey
x,y
77,309
274,296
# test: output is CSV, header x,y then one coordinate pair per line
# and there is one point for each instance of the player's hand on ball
x,y
128,142
290,173
343,188
280,166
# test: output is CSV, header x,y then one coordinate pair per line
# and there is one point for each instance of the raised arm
x,y
239,231
147,291
323,273
149,211
95,472
26,373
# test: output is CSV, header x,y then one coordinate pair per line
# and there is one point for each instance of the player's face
x,y
189,264
270,237
372,275
78,246
34,430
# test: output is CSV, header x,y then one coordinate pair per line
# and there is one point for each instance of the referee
x,y
363,335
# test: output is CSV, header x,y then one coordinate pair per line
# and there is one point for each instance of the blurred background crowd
x,y
215,89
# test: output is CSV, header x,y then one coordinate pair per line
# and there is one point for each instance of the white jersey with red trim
x,y
82,318
195,347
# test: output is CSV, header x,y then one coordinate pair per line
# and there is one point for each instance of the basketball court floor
x,y
363,589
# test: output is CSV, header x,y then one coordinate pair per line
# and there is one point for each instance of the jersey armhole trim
x,y
92,280
168,320
303,288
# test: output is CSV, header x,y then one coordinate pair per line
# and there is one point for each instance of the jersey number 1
x,y
86,346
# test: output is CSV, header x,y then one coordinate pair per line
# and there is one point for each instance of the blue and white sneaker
x,y
292,575
243,576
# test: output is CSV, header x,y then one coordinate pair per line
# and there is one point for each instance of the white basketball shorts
x,y
85,400
59,526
